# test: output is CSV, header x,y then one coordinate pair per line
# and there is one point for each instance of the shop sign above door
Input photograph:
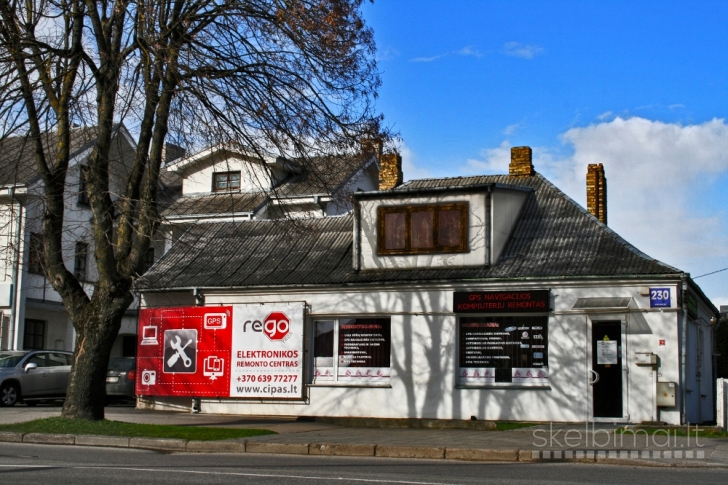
x,y
501,301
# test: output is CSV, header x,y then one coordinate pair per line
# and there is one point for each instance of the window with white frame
x,y
352,350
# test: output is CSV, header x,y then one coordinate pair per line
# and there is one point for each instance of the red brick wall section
x,y
390,173
596,191
521,164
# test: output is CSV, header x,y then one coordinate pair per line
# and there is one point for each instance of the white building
x,y
33,316
494,297
191,192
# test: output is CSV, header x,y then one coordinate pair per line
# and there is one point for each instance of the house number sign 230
x,y
659,297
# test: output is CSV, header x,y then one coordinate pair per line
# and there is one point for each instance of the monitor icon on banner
x,y
213,367
180,351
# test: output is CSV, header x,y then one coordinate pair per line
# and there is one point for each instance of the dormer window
x,y
419,229
225,181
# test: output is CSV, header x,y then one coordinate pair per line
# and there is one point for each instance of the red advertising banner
x,y
252,350
184,351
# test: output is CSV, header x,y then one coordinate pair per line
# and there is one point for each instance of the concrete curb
x,y
280,448
476,454
49,439
390,451
112,441
340,449
215,447
162,444
11,437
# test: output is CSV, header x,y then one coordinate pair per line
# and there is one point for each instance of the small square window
x,y
225,181
423,229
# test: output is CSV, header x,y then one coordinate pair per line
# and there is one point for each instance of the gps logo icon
x,y
276,326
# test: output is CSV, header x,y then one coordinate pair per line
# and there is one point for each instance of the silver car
x,y
33,376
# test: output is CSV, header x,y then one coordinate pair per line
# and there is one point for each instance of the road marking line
x,y
268,475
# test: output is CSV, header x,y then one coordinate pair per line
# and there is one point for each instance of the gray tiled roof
x,y
554,237
17,159
321,175
215,204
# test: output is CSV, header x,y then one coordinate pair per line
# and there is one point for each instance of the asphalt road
x,y
59,465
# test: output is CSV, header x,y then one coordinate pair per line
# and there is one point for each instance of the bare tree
x,y
291,77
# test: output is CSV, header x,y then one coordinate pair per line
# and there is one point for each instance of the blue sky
x,y
641,86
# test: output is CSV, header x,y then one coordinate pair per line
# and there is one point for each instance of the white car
x,y
33,376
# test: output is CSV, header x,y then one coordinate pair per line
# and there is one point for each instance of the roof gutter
x,y
529,280
406,192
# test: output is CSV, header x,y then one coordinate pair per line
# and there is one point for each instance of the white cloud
x,y
524,51
387,54
469,50
605,115
511,129
409,170
676,106
657,179
427,59
657,176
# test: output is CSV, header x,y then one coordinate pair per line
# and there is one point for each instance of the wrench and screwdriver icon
x,y
180,352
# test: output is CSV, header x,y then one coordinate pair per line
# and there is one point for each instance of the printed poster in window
x,y
503,350
364,350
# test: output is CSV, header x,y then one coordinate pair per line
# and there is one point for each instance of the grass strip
x,y
134,430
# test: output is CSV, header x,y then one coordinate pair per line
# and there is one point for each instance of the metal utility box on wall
x,y
645,358
666,394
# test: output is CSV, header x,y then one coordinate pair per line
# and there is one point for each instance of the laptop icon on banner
x,y
149,335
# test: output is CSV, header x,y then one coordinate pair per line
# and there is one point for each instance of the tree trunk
x,y
96,331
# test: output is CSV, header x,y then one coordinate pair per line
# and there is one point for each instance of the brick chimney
x,y
521,165
372,145
390,171
596,191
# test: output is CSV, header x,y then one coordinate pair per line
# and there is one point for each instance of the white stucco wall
x,y
254,175
424,356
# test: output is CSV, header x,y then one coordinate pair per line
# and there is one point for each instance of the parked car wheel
x,y
9,394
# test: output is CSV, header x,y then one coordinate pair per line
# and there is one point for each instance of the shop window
x,y
503,351
353,350
82,188
35,256
34,334
418,229
225,181
80,260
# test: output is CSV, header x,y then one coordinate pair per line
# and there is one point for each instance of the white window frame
x,y
334,381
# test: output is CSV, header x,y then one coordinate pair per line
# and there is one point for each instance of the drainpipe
x,y
357,231
684,351
488,220
15,289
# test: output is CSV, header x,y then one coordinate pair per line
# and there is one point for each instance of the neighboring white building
x,y
33,316
191,192
494,297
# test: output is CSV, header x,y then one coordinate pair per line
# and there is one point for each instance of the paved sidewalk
x,y
566,442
